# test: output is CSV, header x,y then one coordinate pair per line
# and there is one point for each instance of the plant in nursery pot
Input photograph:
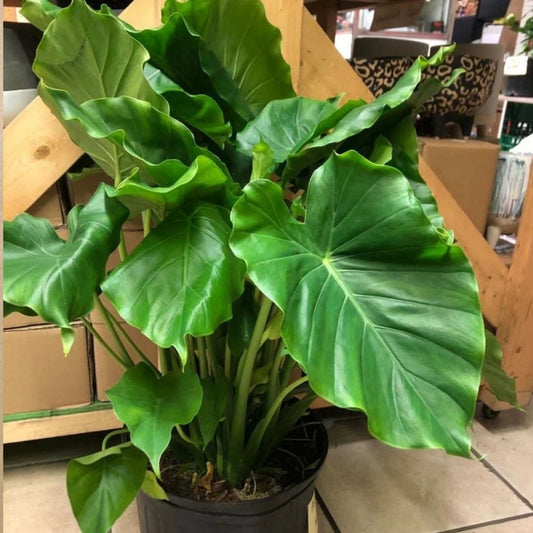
x,y
291,251
519,69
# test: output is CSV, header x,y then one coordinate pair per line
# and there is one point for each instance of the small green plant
x,y
527,29
281,234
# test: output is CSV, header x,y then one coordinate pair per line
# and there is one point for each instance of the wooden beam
x,y
515,328
37,149
323,71
59,426
287,16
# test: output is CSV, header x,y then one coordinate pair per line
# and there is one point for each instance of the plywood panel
x,y
323,71
287,16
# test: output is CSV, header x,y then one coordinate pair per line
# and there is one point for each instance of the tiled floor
x,y
364,487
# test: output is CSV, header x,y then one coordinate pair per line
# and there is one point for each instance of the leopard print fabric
x,y
469,92
464,97
381,74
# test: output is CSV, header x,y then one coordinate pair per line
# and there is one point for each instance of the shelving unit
x,y
36,145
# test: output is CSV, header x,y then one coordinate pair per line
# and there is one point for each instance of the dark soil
x,y
296,459
214,489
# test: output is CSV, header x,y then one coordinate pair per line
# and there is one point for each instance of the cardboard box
x,y
82,190
107,370
49,206
466,167
38,377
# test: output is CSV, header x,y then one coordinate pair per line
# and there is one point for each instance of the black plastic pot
x,y
520,85
285,512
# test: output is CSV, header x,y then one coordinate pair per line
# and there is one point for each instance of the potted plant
x,y
291,251
519,69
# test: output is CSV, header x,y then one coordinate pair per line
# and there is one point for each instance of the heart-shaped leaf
x,y
90,55
101,486
151,406
58,279
184,278
370,293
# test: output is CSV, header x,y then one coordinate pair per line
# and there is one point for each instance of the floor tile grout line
x,y
327,512
493,470
495,522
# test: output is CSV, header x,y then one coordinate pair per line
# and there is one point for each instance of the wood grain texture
x,y
323,71
287,16
37,151
515,328
59,426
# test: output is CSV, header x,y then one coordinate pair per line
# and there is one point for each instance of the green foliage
x,y
281,234
57,279
152,405
102,485
169,273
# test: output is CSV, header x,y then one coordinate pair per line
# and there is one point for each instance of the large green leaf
x,y
202,180
151,406
160,146
380,311
90,55
240,51
364,123
58,279
288,125
285,125
174,50
101,486
197,110
182,278
502,385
